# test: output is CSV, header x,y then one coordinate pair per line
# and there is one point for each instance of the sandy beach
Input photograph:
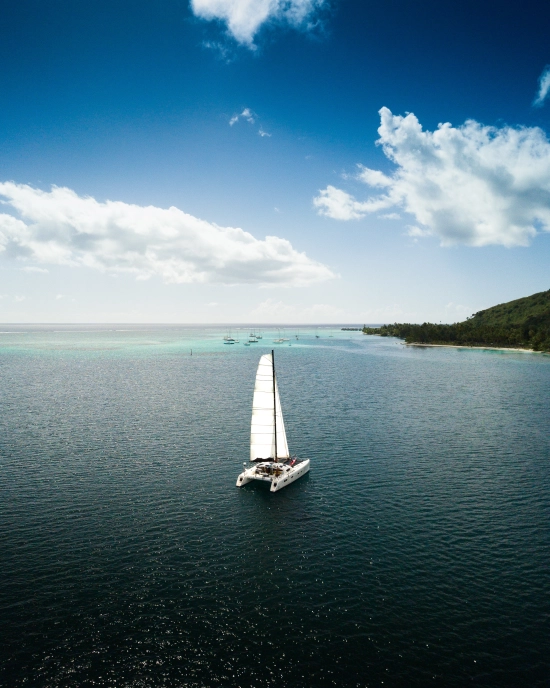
x,y
488,348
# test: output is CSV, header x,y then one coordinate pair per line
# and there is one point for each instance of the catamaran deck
x,y
278,474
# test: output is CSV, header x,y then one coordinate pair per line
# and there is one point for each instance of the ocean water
x,y
415,553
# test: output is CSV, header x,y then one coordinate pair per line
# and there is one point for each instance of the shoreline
x,y
464,346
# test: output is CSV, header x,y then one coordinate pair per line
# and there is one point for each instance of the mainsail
x,y
262,431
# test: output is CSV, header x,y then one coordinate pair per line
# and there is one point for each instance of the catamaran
x,y
268,444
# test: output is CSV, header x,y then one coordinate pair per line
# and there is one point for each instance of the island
x,y
520,324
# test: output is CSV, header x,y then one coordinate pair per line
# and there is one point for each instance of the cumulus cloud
x,y
373,177
244,18
61,228
544,87
473,184
340,205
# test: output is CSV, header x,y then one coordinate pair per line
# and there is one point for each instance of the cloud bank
x,y
61,228
472,184
245,17
273,311
544,87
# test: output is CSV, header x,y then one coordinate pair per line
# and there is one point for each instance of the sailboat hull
x,y
278,474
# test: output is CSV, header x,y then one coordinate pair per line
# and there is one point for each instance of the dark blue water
x,y
415,553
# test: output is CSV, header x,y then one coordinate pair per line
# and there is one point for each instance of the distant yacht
x,y
280,340
268,444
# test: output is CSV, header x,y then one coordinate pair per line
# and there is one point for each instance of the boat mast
x,y
274,401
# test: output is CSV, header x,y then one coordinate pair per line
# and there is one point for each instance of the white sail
x,y
282,444
262,430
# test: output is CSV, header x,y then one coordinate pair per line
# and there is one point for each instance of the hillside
x,y
516,313
523,323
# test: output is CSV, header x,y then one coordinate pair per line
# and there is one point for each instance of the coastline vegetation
x,y
523,323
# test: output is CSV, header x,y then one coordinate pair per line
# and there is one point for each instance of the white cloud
x,y
544,87
472,184
245,17
340,205
373,177
457,311
221,50
250,117
246,114
32,268
61,228
271,311
417,232
387,314
19,298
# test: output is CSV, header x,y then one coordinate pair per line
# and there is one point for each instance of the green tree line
x,y
533,333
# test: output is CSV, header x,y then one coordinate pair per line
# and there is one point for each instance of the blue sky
x,y
217,160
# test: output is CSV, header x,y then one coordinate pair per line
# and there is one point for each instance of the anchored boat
x,y
268,444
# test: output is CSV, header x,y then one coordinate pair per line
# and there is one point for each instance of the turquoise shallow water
x,y
415,553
